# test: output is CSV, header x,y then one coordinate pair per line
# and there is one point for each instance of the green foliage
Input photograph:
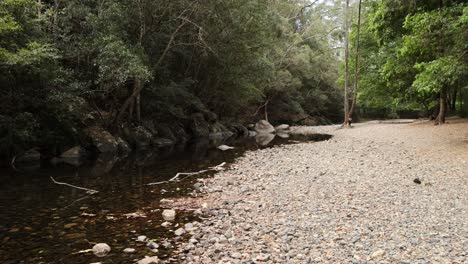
x,y
443,72
63,61
411,50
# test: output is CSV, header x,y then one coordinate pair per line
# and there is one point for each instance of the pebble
x,y
169,215
350,199
166,224
179,232
149,260
142,238
101,249
129,250
152,245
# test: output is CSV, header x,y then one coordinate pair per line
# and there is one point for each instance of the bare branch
x,y
188,174
90,191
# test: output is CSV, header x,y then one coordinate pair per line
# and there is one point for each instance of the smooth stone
x,y
149,260
129,250
179,232
169,215
142,238
152,245
101,249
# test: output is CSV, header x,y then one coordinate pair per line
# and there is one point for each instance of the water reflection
x,y
41,222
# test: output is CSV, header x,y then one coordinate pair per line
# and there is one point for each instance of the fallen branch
x,y
90,191
219,167
13,162
82,251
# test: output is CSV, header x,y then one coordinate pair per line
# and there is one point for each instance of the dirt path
x,y
351,199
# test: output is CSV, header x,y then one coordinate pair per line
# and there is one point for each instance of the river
x,y
43,222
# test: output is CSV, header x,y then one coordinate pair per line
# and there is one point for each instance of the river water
x,y
43,222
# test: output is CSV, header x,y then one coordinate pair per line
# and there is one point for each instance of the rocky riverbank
x,y
376,193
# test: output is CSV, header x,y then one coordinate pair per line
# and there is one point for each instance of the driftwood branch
x,y
90,191
219,167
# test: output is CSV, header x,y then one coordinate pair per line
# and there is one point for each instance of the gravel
x,y
350,199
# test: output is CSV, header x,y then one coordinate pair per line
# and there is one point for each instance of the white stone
x,y
129,250
101,249
141,238
225,147
149,260
169,215
179,232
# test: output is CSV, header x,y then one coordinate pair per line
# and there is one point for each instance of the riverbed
x,y
43,222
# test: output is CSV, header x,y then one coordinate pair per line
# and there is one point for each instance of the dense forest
x,y
166,67
413,58
175,69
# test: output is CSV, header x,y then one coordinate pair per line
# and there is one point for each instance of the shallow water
x,y
42,222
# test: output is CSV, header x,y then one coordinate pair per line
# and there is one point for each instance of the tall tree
x,y
346,69
356,63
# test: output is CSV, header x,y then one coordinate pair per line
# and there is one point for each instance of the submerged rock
x,y
101,249
264,127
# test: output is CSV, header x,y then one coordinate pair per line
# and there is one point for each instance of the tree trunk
x,y
138,109
454,100
442,107
356,63
139,87
346,75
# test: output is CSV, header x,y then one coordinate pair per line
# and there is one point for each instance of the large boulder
x,y
310,121
199,126
282,127
151,126
180,133
73,156
210,117
123,148
264,127
73,153
240,130
219,131
142,137
102,140
164,131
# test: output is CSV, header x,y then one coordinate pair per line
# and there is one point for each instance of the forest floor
x,y
351,199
